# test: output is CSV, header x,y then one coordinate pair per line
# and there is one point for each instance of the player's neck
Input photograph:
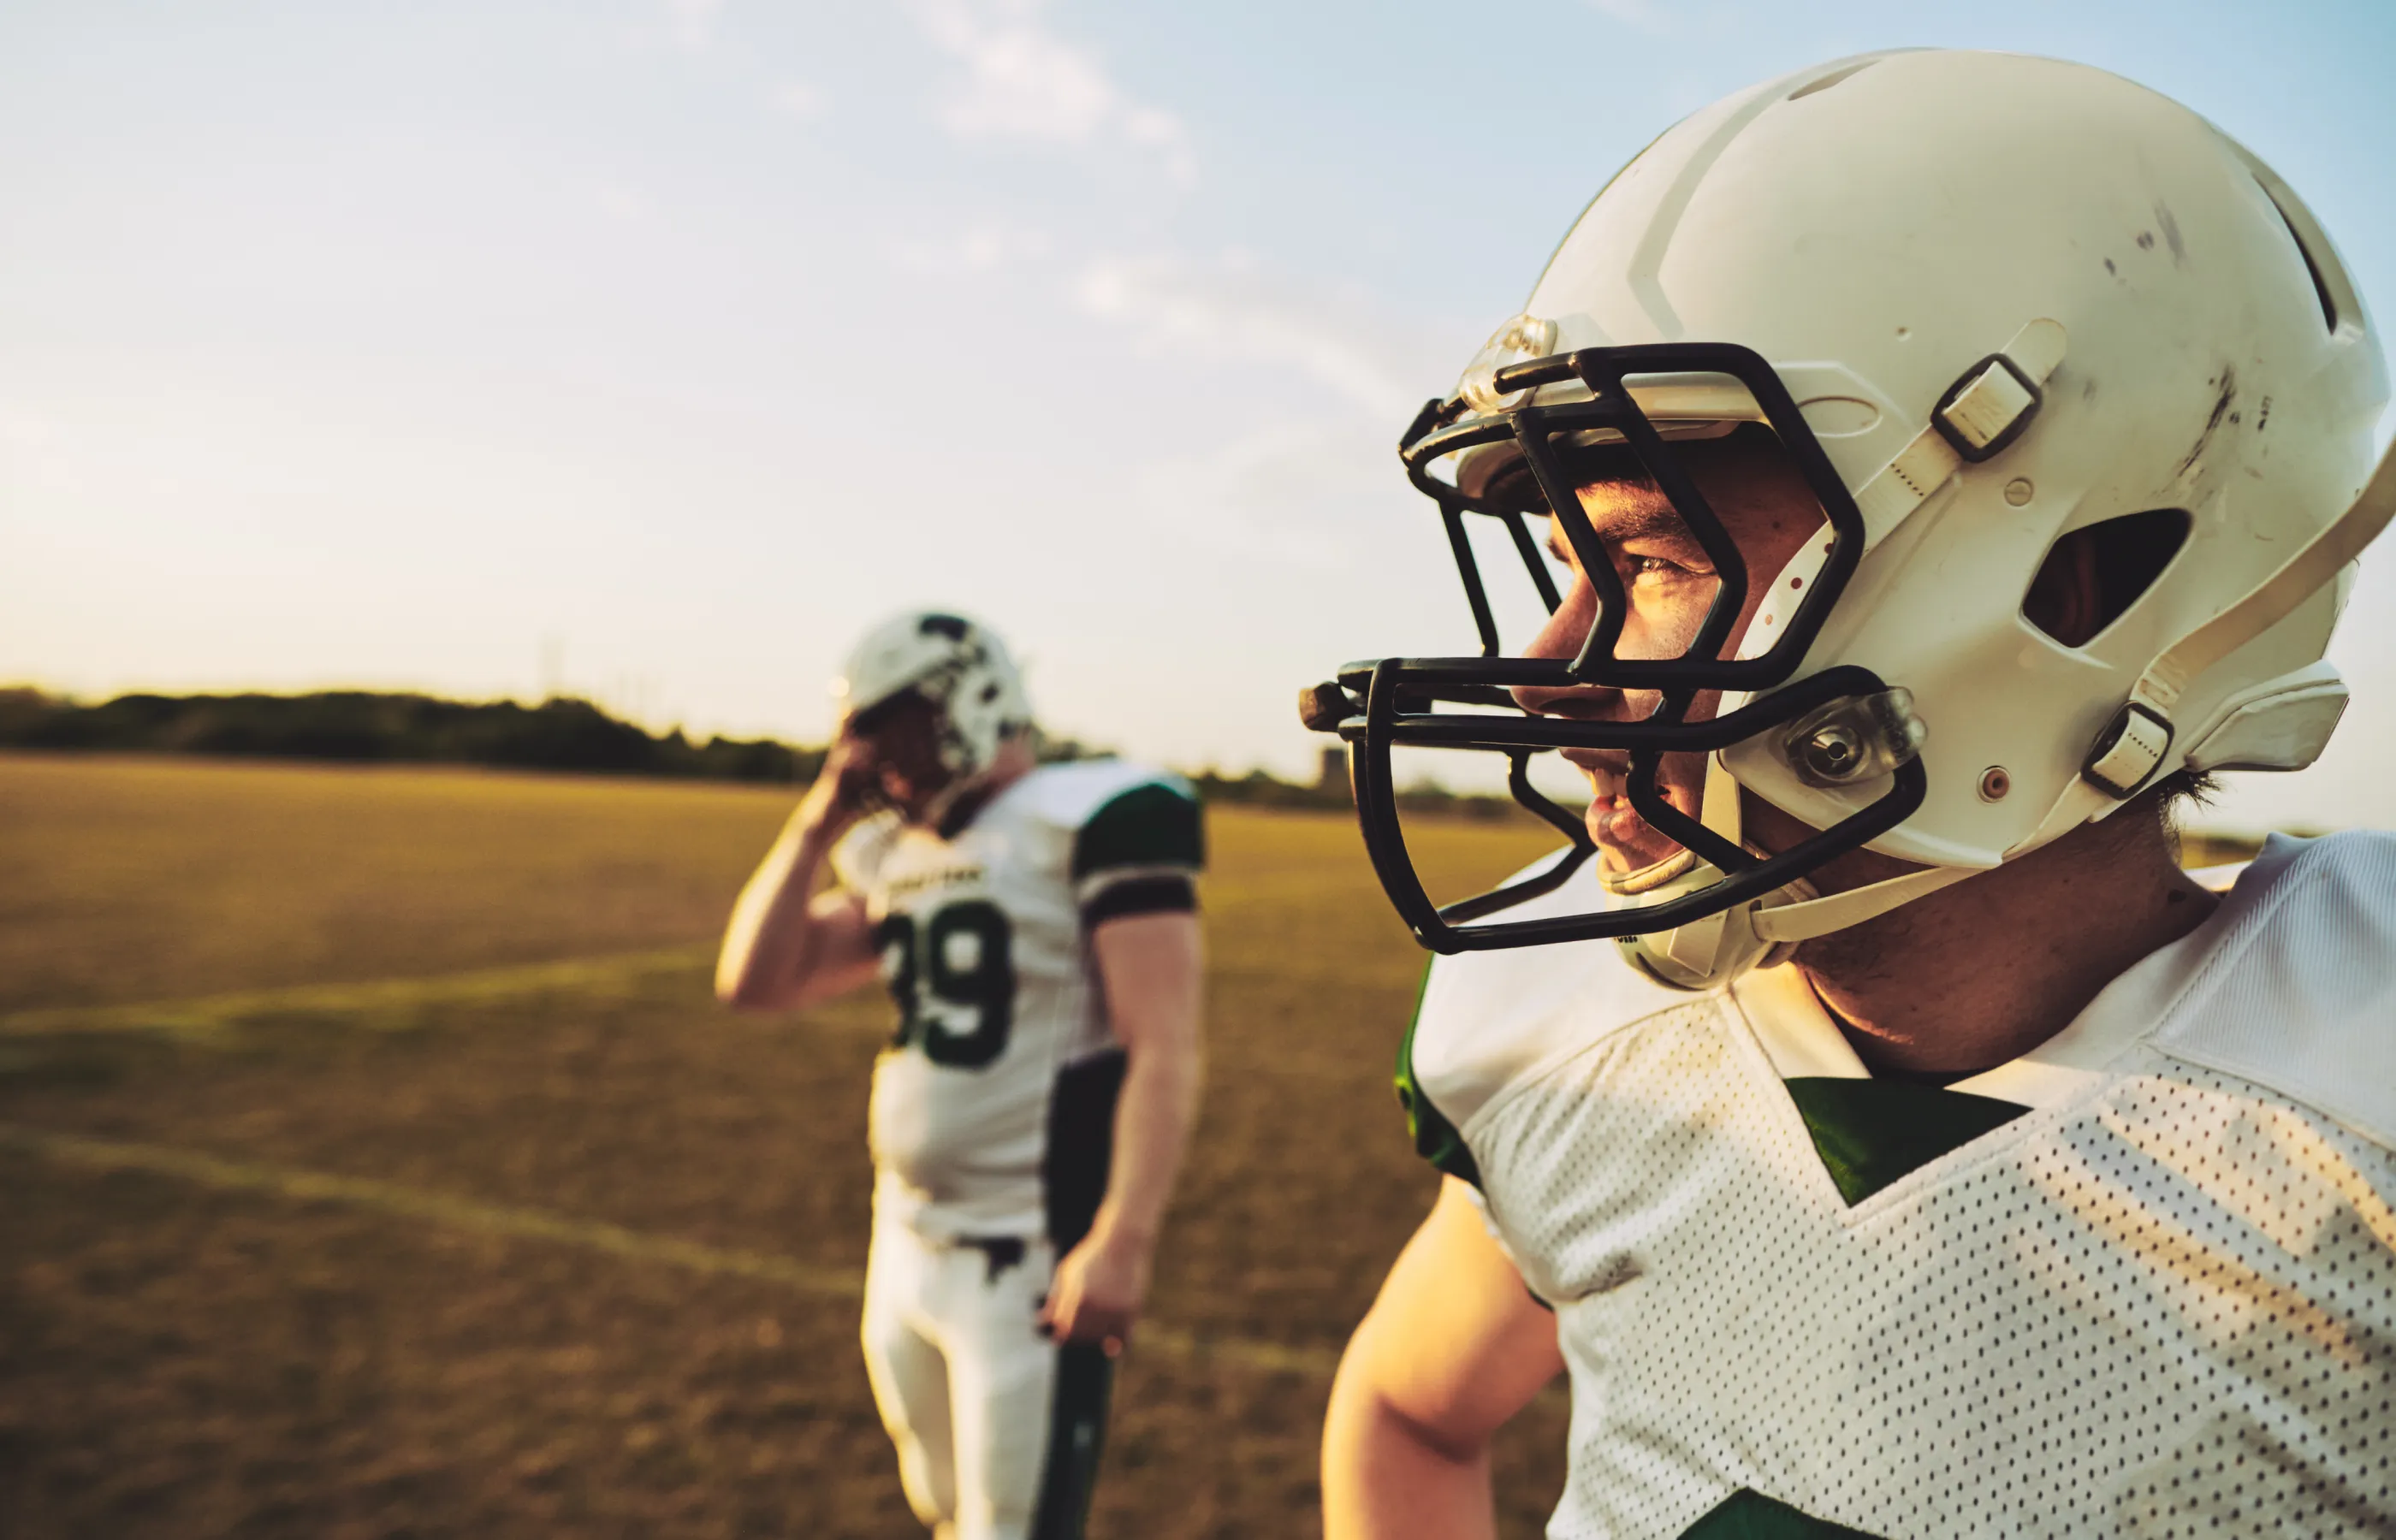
x,y
1985,970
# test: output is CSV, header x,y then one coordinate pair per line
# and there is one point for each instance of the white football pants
x,y
969,1389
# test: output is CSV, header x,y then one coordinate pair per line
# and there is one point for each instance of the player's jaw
x,y
913,786
911,800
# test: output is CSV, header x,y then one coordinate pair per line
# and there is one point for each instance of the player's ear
x,y
2066,598
2092,576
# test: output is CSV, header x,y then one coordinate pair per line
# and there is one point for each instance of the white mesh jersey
x,y
984,945
2160,1300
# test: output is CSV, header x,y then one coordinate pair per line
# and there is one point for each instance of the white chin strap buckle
x,y
1647,879
1720,946
1713,951
1764,930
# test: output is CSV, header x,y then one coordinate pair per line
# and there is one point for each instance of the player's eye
x,y
1655,568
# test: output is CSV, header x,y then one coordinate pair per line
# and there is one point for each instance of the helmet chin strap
x,y
1762,932
1647,879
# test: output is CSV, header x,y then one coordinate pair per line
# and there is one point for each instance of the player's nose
x,y
1566,629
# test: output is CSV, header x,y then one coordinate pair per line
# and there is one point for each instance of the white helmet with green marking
x,y
956,666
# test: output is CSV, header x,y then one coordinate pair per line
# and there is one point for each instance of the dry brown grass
x,y
182,1356
138,878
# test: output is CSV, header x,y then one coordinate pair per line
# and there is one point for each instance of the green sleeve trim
x,y
1150,825
1870,1133
1435,1138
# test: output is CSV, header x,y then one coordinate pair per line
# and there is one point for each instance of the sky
x,y
653,349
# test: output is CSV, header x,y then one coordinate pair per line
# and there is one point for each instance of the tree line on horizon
x,y
563,732
363,726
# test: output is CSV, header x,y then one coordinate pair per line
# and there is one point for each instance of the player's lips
x,y
1615,760
1608,771
1613,822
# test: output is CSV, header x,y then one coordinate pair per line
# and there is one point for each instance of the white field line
x,y
205,1015
462,1213
218,1020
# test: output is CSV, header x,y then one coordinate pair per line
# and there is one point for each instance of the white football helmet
x,y
1983,300
959,668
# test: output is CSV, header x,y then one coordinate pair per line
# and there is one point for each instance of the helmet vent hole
x,y
1825,82
2313,265
2092,576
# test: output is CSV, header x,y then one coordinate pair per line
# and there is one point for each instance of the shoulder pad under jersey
x,y
1130,839
1486,1020
1072,795
2298,992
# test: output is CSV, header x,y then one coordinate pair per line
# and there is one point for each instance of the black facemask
x,y
1843,731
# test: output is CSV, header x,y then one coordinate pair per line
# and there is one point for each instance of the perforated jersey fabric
x,y
2161,1302
985,947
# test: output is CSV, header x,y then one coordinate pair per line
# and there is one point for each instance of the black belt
x,y
1000,1252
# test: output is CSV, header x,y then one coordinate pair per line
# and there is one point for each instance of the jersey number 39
x,y
961,959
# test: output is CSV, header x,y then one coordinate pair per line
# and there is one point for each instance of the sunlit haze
x,y
652,350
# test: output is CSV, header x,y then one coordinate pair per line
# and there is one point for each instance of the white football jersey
x,y
992,1106
2141,1280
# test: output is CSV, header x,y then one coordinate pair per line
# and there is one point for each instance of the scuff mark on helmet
x,y
2171,233
2220,411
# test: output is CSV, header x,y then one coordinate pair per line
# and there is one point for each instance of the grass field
x,y
376,1165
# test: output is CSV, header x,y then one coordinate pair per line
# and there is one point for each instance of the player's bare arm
x,y
1149,966
788,944
1453,1347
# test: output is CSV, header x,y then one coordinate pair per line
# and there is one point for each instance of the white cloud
x,y
691,24
1300,486
24,429
620,202
1289,493
1023,82
1234,310
796,99
35,451
978,249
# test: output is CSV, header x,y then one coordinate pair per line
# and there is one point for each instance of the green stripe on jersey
x,y
1870,1133
1748,1514
1436,1139
1150,825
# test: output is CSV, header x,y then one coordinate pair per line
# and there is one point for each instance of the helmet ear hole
x,y
2332,285
2313,270
2091,576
